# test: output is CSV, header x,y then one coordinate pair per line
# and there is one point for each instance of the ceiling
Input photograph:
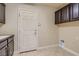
x,y
55,5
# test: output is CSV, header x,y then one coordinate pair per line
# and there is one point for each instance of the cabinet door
x,y
3,51
3,48
70,12
75,10
2,13
65,14
10,46
57,16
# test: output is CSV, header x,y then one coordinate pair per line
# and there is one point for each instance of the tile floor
x,y
56,51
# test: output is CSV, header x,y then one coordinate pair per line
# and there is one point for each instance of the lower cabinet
x,y
7,47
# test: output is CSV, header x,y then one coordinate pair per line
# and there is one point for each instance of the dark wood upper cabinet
x,y
2,13
65,14
68,13
57,17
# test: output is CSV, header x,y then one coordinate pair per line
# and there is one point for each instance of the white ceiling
x,y
56,5
53,5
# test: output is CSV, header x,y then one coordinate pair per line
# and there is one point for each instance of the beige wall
x,y
69,32
48,32
10,27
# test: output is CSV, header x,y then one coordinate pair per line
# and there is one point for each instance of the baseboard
x,y
46,47
39,48
71,51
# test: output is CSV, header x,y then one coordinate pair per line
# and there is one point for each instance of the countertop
x,y
4,37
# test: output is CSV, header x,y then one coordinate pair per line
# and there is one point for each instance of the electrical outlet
x,y
61,43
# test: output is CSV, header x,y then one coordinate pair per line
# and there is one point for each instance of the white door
x,y
27,28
